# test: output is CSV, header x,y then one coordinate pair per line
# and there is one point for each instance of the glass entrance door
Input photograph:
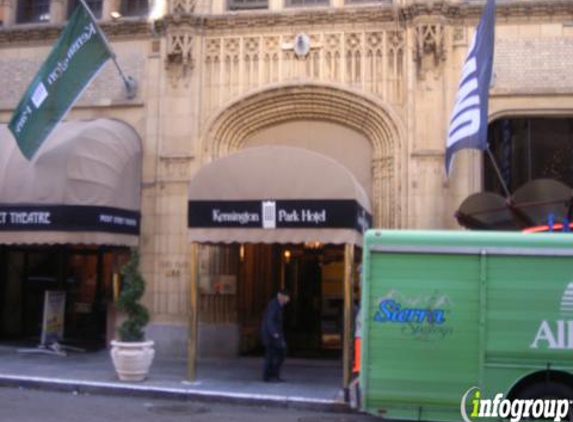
x,y
302,315
313,274
313,320
83,310
83,273
42,271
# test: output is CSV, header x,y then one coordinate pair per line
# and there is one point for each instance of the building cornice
x,y
46,33
511,9
447,12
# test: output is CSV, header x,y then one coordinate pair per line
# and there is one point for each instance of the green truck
x,y
452,317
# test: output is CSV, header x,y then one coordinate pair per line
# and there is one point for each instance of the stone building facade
x,y
380,77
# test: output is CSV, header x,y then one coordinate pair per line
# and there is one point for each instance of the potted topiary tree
x,y
131,354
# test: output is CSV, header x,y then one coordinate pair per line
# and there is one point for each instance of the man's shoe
x,y
279,379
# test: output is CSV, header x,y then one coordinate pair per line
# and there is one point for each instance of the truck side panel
x,y
444,311
527,317
421,332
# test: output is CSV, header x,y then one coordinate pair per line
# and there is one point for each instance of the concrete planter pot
x,y
132,360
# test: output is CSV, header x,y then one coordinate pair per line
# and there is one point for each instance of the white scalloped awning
x,y
85,169
231,190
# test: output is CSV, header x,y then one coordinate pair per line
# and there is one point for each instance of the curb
x,y
116,389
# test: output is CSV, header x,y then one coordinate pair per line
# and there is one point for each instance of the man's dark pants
x,y
275,353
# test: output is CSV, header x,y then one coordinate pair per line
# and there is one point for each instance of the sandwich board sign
x,y
53,319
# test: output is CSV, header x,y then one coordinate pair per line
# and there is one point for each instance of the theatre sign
x,y
68,218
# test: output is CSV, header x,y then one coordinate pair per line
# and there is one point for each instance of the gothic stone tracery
x,y
370,61
430,50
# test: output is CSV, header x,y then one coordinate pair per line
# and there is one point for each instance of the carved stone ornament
x,y
180,52
301,45
460,37
430,50
182,7
175,168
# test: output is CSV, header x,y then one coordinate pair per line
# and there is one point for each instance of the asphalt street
x,y
25,405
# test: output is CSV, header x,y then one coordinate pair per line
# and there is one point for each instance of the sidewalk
x,y
311,384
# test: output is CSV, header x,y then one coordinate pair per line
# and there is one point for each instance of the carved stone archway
x,y
228,130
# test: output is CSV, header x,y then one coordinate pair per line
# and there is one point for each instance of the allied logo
x,y
557,335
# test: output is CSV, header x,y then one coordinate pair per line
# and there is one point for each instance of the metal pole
x,y
128,81
283,268
529,158
193,312
347,341
498,172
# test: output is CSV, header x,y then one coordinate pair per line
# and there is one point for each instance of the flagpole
x,y
498,172
128,81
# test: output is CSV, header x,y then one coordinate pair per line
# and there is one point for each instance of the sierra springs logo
x,y
424,318
392,311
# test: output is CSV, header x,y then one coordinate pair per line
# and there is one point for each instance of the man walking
x,y
273,337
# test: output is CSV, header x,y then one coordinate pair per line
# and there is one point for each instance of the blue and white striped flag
x,y
468,124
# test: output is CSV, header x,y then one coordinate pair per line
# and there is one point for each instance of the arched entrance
x,y
228,132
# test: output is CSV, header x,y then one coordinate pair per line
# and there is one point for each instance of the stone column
x,y
58,9
428,188
7,12
172,125
276,5
109,6
219,7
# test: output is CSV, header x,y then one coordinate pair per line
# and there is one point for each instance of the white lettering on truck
x,y
560,338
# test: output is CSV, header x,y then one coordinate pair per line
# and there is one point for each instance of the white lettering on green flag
x,y
75,59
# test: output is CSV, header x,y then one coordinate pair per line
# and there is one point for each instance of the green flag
x,y
78,55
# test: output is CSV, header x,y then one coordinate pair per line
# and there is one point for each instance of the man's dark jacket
x,y
273,324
